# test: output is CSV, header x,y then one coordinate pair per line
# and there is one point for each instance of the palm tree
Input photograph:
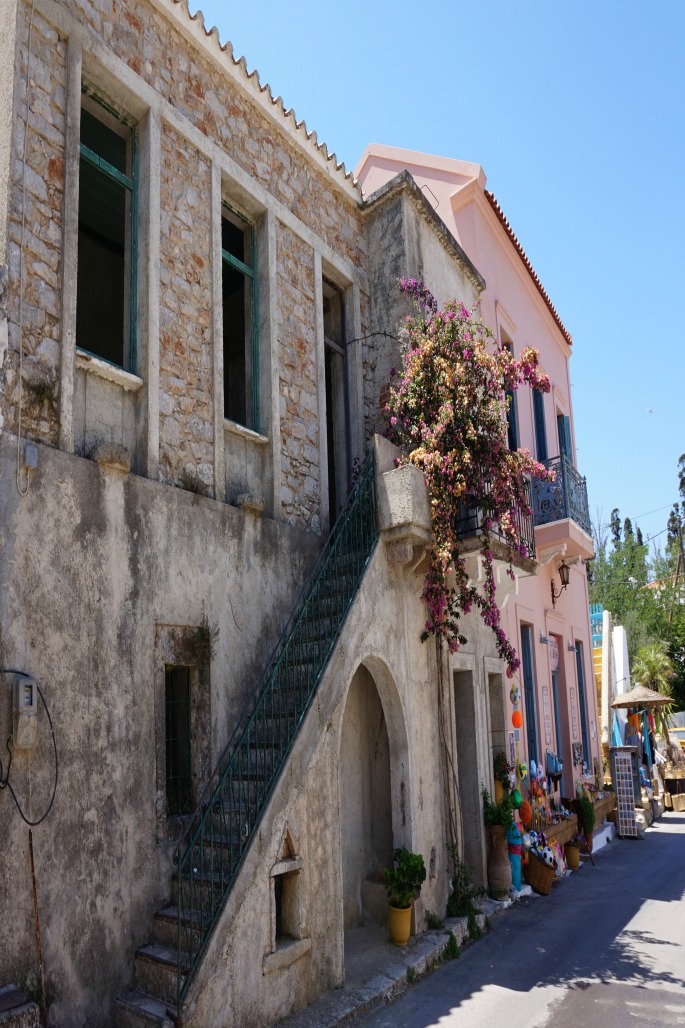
x,y
653,668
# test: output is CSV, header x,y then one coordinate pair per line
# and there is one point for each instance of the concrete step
x,y
16,1011
136,1009
156,972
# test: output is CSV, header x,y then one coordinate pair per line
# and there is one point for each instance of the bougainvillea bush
x,y
448,413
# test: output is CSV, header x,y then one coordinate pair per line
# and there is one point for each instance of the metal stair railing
x,y
214,845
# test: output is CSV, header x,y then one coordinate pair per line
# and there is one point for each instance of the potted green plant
x,y
585,813
502,769
403,883
498,818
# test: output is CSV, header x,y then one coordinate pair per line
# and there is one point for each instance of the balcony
x,y
561,513
470,522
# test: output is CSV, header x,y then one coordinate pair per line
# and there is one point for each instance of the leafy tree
x,y
653,668
615,526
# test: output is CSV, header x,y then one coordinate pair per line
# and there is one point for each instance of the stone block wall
x,y
186,345
301,473
35,234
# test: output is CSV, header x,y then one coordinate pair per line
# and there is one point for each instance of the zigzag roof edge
x,y
249,82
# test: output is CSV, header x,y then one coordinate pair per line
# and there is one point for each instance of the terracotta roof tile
x,y
529,267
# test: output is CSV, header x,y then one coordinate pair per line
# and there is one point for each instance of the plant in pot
x,y
502,769
572,853
498,819
586,817
403,883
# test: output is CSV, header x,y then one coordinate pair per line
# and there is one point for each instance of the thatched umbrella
x,y
640,696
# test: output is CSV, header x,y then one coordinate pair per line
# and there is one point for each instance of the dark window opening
x,y
529,691
512,415
337,399
564,433
581,703
540,429
238,288
179,785
105,288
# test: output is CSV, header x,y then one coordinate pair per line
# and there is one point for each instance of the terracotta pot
x,y
399,924
499,868
499,791
572,854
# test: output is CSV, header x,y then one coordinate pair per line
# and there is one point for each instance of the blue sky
x,y
576,112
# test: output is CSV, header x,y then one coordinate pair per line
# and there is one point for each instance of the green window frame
x,y
108,234
240,318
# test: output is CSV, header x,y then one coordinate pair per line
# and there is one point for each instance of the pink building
x,y
551,630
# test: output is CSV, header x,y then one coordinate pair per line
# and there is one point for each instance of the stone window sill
x,y
95,366
287,952
245,433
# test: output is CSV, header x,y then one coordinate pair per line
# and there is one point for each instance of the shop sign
x,y
554,653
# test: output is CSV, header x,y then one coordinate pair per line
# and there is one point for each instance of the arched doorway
x,y
366,825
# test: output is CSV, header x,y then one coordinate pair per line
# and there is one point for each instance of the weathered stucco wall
x,y
93,563
307,802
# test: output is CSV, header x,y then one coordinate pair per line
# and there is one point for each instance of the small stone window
x,y
288,943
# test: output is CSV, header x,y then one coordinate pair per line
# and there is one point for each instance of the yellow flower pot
x,y
399,924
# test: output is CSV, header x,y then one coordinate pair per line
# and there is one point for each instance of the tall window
x,y
564,433
239,297
512,416
337,398
106,275
540,429
581,703
529,691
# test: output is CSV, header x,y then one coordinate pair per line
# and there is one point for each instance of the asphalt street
x,y
607,948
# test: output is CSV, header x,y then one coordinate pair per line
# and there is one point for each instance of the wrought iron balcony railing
x,y
564,498
471,521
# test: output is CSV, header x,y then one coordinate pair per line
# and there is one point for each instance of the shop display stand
x,y
622,777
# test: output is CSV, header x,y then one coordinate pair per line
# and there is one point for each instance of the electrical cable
x,y
5,782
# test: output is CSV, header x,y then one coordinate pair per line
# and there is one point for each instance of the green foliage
x,y
587,813
451,950
641,591
473,927
411,975
497,813
433,921
460,902
404,879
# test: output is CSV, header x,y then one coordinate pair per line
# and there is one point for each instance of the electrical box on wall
x,y
25,704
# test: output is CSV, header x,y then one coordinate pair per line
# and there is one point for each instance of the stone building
x,y
198,314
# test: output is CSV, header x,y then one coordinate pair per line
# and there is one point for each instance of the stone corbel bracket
x,y
404,516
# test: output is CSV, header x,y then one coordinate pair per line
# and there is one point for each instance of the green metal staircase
x,y
213,848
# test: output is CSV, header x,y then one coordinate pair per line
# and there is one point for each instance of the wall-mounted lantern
x,y
564,570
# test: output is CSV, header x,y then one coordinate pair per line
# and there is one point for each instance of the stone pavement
x,y
376,970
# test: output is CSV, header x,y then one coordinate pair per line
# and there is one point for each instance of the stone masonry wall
x,y
37,189
185,352
301,488
154,49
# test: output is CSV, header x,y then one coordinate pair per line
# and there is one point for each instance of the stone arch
x,y
374,789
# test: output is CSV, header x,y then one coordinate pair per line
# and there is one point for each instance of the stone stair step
x,y
165,926
136,1009
16,1011
156,971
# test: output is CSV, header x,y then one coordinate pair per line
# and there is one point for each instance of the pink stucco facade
x,y
517,308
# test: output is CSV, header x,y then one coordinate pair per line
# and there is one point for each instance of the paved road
x,y
607,948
